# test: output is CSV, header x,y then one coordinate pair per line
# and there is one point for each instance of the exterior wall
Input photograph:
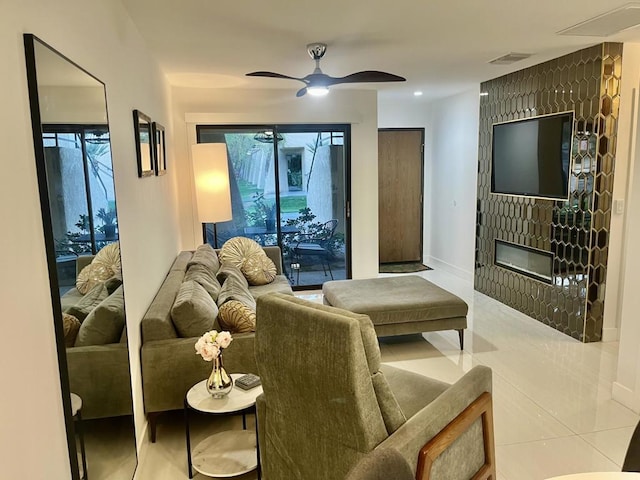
x,y
575,231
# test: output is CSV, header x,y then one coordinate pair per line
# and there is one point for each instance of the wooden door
x,y
400,181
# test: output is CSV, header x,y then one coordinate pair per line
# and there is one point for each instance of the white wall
x,y
100,37
622,302
453,159
213,106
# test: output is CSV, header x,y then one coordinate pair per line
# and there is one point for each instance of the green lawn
x,y
287,204
293,204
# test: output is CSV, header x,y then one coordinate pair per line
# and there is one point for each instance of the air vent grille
x,y
510,58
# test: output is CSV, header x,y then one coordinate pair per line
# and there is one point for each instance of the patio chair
x,y
316,245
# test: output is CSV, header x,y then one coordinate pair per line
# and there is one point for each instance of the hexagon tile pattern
x,y
575,231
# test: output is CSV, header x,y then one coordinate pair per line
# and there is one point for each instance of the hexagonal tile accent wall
x,y
575,231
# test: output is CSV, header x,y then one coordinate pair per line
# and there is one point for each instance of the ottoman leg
x,y
461,337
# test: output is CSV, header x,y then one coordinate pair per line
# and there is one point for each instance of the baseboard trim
x,y
625,396
609,334
457,271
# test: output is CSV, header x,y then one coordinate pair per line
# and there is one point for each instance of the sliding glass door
x,y
289,187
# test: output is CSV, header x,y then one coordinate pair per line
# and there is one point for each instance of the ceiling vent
x,y
510,58
608,23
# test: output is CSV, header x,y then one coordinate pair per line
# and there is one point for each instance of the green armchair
x,y
328,402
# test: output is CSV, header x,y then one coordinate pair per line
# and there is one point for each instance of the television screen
x,y
532,157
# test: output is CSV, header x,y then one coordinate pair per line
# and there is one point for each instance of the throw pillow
x,y
237,317
259,270
237,249
105,322
202,275
205,255
110,256
236,289
193,311
92,275
70,325
86,304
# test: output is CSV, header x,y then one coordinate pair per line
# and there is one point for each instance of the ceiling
x,y
441,46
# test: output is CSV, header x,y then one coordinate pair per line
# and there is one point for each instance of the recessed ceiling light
x,y
417,93
510,58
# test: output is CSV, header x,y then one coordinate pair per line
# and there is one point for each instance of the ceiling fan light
x,y
319,91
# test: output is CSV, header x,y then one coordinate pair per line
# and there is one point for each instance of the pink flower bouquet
x,y
211,344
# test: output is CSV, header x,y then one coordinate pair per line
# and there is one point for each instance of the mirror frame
x,y
43,191
47,225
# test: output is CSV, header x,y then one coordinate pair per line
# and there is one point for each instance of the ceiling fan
x,y
318,83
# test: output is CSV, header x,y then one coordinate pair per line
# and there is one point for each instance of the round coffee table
x,y
224,454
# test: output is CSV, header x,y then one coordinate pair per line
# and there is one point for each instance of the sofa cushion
x,y
92,275
236,317
193,311
105,322
279,285
206,256
202,275
236,289
259,270
87,303
71,326
237,249
113,283
228,270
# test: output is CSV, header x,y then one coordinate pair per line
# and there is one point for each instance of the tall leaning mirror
x,y
77,195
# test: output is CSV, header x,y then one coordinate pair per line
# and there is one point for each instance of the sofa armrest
x,y
99,374
433,418
171,367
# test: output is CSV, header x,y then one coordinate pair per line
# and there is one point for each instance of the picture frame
x,y
145,151
160,149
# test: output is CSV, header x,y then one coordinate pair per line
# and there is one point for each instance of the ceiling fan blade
x,y
366,77
301,92
272,75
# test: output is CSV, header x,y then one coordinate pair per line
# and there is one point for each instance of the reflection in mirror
x,y
75,173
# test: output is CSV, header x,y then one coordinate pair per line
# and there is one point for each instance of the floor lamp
x,y
211,179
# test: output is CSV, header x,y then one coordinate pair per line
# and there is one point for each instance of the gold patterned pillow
x,y
92,275
71,326
237,249
236,317
259,270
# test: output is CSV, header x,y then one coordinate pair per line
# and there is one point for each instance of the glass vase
x,y
219,383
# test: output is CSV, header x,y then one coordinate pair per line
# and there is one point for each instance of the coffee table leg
x,y
186,425
244,421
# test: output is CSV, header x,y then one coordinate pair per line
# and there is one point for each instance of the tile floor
x,y
553,411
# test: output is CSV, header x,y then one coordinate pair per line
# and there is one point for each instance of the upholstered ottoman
x,y
400,305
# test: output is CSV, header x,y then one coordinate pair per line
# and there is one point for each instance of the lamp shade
x,y
211,177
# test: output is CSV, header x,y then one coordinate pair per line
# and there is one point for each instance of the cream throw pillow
x,y
237,249
92,275
259,270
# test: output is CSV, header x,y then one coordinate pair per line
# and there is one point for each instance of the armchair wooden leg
x,y
481,407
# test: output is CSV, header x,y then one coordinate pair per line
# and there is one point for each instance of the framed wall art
x,y
145,150
160,149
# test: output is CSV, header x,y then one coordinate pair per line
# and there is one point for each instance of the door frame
x,y
422,139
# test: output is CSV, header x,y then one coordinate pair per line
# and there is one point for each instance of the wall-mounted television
x,y
532,157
